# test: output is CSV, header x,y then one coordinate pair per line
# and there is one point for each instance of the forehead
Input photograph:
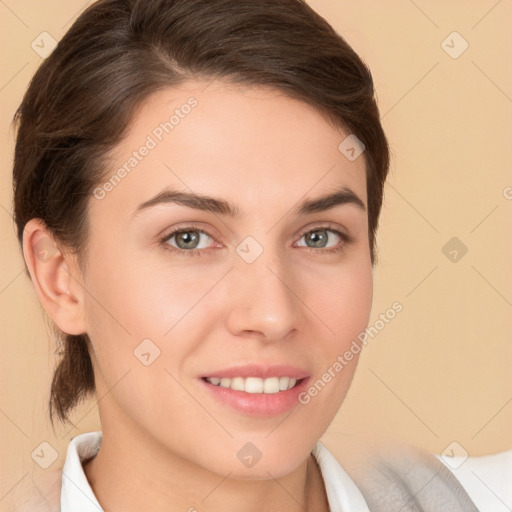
x,y
254,147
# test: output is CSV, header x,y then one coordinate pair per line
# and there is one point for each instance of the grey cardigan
x,y
402,478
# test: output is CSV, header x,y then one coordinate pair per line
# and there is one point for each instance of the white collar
x,y
342,493
76,493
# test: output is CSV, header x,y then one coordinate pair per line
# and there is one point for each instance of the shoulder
x,y
41,491
37,493
396,476
487,478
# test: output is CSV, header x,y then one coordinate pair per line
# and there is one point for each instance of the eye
x,y
187,240
319,237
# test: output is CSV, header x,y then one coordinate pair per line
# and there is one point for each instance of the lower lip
x,y
258,404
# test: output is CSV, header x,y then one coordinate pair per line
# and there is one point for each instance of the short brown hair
x,y
118,52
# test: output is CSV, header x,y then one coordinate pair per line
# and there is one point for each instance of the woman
x,y
247,134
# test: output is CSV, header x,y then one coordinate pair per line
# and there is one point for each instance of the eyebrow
x,y
222,207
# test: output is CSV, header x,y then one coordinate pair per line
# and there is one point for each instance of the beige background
x,y
440,371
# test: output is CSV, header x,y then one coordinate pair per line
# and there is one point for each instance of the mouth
x,y
256,390
256,385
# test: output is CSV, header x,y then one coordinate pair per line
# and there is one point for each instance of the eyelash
x,y
346,239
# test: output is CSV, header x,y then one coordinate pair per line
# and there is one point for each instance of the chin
x,y
257,458
272,469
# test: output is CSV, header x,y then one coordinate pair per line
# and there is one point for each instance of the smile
x,y
270,385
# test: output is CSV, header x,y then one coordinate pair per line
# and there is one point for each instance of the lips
x,y
260,371
256,389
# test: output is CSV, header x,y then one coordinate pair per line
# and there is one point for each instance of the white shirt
x,y
486,479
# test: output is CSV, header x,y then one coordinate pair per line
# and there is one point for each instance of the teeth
x,y
271,385
237,384
254,384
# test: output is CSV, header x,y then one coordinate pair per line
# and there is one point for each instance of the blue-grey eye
x,y
319,237
187,239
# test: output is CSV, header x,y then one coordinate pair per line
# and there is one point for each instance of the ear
x,y
55,276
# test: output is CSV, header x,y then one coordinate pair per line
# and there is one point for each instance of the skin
x,y
166,442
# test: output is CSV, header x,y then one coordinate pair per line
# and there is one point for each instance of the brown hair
x,y
81,99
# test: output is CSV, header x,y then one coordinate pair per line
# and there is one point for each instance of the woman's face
x,y
260,289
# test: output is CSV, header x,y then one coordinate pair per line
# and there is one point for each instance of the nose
x,y
264,301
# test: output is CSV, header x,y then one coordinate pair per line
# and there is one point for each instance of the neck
x,y
131,471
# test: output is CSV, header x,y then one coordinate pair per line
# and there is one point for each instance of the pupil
x,y
314,234
186,234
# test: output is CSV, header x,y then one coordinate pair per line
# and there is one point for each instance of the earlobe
x,y
55,277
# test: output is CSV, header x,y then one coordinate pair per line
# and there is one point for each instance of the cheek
x,y
343,312
130,301
355,294
343,303
130,298
118,310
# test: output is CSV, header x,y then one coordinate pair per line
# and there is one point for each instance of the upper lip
x,y
259,370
